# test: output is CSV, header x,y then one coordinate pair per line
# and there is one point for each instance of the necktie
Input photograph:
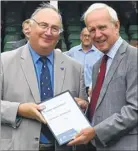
x,y
97,88
45,81
46,91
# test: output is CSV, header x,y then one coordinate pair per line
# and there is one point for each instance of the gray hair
x,y
111,11
47,5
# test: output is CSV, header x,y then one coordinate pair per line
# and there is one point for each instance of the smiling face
x,y
42,40
103,31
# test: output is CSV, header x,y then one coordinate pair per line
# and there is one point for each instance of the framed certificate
x,y
64,117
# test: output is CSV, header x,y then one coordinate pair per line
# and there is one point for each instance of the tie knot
x,y
105,57
43,59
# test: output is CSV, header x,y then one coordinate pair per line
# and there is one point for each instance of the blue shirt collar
x,y
36,56
93,48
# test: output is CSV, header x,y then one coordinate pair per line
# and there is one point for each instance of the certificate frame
x,y
71,132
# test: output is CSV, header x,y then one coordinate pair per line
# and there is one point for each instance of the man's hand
x,y
31,110
83,137
82,103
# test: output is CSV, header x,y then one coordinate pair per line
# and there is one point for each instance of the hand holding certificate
x,y
64,117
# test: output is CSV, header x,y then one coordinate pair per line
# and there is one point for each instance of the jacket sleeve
x,y
8,109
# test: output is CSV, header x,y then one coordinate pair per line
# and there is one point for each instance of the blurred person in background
x,y
26,29
87,54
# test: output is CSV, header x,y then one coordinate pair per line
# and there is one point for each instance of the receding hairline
x,y
50,7
44,6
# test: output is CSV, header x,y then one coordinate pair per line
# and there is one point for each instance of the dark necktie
x,y
98,86
45,81
45,90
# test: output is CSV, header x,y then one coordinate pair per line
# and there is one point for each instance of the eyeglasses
x,y
55,30
86,36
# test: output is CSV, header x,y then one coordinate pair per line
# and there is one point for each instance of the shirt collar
x,y
36,56
80,48
94,48
115,47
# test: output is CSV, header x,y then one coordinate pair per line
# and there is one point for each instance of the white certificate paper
x,y
64,117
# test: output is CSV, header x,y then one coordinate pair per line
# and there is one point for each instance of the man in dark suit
x,y
113,110
26,31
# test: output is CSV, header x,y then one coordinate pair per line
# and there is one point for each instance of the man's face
x,y
85,38
26,30
43,37
104,33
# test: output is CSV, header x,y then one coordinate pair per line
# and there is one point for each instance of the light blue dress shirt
x,y
87,59
112,52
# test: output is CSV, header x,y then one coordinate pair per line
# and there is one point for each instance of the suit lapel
x,y
59,72
117,59
29,72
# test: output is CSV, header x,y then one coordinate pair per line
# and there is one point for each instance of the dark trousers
x,y
47,147
87,147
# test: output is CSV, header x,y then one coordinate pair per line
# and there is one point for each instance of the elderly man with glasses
x,y
32,74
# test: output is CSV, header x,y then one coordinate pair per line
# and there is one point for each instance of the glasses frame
x,y
54,33
86,36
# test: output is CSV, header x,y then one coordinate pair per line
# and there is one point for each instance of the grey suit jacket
x,y
116,115
19,85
